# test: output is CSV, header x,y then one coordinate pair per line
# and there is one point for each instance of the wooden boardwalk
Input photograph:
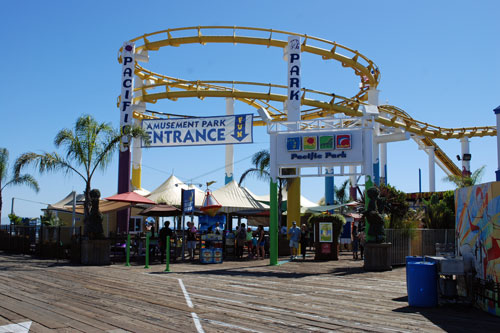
x,y
246,296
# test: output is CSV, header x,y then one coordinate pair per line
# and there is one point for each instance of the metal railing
x,y
418,242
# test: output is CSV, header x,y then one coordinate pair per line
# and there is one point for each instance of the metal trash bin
x,y
422,284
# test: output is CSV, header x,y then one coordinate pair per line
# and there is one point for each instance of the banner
x,y
199,131
127,83
187,201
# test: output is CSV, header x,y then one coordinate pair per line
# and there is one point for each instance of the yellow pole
x,y
293,204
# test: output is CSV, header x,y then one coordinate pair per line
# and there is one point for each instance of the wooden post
x,y
147,251
127,252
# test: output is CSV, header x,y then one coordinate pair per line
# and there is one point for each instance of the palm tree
x,y
17,179
89,146
465,180
262,162
342,194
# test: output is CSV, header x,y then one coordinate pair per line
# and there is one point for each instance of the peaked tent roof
x,y
234,198
170,194
66,202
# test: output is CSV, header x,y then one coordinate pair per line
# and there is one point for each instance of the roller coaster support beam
x,y
464,142
497,112
353,194
432,169
229,148
383,163
273,203
373,100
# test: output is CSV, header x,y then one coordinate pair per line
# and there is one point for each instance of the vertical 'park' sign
x,y
128,63
293,101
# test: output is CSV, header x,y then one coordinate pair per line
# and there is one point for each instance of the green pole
x,y
167,269
127,251
147,252
273,224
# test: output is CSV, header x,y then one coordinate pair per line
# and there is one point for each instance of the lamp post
x,y
497,112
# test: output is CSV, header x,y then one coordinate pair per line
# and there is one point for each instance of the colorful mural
x,y
478,233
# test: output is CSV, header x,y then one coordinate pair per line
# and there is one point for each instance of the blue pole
x,y
329,192
419,180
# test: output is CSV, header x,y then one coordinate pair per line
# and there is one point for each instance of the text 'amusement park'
x,y
203,177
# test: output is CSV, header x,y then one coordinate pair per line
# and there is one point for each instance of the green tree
x,y
88,147
465,180
16,179
50,219
342,194
440,212
394,202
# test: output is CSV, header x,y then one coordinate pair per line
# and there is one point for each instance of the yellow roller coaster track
x,y
321,104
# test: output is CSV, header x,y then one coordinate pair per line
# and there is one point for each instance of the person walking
x,y
294,233
304,240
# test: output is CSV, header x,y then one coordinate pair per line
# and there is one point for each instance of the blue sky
x,y
438,60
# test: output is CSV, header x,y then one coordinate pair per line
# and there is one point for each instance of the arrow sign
x,y
16,328
239,128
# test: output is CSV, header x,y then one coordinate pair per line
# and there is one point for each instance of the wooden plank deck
x,y
246,296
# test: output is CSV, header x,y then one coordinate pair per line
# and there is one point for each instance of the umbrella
x,y
131,197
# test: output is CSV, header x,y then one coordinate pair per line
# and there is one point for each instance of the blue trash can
x,y
411,259
422,284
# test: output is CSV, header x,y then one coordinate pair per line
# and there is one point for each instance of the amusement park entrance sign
x,y
199,131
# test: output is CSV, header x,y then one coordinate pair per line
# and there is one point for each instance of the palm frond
x,y
4,161
27,180
264,175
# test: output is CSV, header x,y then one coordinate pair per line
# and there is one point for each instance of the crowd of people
x,y
255,240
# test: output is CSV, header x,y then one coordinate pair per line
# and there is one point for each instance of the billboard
x,y
313,148
219,130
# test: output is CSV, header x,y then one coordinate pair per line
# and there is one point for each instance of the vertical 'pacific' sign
x,y
128,64
293,101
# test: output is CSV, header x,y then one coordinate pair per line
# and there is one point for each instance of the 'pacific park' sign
x,y
199,131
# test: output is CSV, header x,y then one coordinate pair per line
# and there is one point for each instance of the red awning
x,y
131,197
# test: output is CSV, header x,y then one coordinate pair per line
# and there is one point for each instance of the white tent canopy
x,y
170,192
234,198
304,202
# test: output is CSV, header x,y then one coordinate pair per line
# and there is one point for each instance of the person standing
x,y
304,240
261,241
164,232
249,243
294,233
218,230
241,238
355,240
191,240
362,239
